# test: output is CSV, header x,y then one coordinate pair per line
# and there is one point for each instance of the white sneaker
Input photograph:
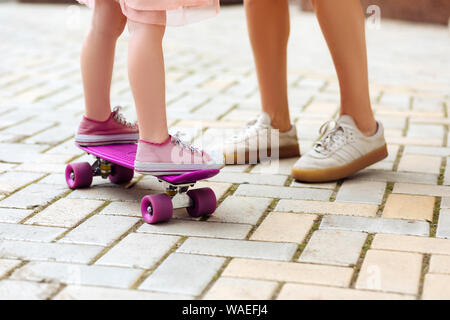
x,y
342,151
260,141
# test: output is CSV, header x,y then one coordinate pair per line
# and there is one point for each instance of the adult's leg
x,y
342,23
147,79
268,27
97,57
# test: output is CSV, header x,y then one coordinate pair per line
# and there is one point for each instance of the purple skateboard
x,y
116,162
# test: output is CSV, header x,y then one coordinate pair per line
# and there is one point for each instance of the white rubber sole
x,y
172,168
91,140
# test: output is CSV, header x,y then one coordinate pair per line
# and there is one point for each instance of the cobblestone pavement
x,y
383,234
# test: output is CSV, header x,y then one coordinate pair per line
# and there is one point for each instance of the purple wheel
x,y
120,174
156,208
204,202
79,175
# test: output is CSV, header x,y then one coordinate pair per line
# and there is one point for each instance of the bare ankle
x,y
369,131
282,126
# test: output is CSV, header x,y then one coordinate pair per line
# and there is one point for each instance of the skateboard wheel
x,y
79,175
156,208
120,174
204,202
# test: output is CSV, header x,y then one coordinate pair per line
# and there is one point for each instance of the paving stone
x,y
443,229
362,192
409,207
73,292
17,152
422,189
13,215
439,264
420,163
288,271
416,130
375,225
445,202
54,178
436,287
4,167
321,207
390,272
109,193
414,141
325,185
199,229
123,208
234,177
293,291
404,177
239,209
77,274
183,274
284,227
67,147
428,151
51,136
219,188
13,180
239,248
282,166
65,212
334,247
41,167
25,290
33,196
10,231
100,230
241,289
7,265
26,250
138,250
283,192
411,244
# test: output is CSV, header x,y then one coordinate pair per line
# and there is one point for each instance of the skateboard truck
x,y
178,193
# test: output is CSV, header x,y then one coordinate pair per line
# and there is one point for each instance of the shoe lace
x,y
176,139
332,135
119,117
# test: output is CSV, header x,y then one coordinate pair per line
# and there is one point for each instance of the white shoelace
x,y
333,135
121,119
176,138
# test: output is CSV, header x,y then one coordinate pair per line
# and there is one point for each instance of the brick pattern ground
x,y
382,234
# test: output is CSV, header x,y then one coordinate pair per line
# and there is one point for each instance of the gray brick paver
x,y
183,274
239,248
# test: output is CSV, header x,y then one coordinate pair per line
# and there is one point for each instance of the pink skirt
x,y
165,12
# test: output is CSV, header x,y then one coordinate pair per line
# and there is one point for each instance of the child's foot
x,y
173,157
114,130
241,148
341,152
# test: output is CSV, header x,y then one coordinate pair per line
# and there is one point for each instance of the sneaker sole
x,y
95,140
284,152
337,173
170,168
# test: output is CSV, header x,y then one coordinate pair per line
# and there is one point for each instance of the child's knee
x,y
151,31
108,18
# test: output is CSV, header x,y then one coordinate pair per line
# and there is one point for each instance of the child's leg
x,y
97,58
147,79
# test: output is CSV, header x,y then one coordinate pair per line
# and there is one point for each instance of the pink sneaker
x,y
174,157
115,130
